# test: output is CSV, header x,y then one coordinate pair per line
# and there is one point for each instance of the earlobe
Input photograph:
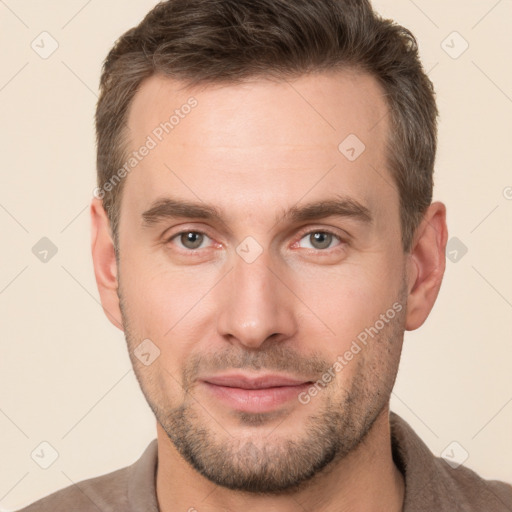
x,y
427,262
104,261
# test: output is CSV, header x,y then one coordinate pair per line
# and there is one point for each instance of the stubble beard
x,y
275,464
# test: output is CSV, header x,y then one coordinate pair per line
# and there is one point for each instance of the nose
x,y
255,304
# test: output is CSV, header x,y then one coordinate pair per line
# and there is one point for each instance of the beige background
x,y
65,376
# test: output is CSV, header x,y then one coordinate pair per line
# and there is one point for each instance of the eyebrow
x,y
341,206
168,208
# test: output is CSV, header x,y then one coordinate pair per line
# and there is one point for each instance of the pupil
x,y
321,240
192,240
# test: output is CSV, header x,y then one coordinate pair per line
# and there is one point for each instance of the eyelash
x,y
342,241
325,231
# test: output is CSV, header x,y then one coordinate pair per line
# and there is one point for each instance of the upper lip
x,y
254,382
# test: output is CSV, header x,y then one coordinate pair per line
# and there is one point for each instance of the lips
x,y
246,382
254,394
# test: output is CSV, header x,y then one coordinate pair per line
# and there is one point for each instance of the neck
x,y
365,480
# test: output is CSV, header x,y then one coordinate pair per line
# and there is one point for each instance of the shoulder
x,y
106,493
471,492
123,490
431,483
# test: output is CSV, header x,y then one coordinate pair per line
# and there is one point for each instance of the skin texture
x,y
255,151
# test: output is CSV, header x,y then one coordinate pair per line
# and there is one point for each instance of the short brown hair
x,y
227,41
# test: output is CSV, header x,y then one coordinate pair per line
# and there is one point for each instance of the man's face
x,y
277,256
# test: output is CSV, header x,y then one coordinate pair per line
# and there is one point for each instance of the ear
x,y
104,261
426,265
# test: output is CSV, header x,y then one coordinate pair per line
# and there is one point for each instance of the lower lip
x,y
256,400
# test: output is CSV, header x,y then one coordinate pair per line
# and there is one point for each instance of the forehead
x,y
326,105
259,136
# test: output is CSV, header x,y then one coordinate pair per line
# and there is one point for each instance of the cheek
x,y
159,294
348,298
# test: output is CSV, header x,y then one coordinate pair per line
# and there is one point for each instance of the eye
x,y
319,240
191,240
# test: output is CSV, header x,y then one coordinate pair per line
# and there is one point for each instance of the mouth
x,y
254,394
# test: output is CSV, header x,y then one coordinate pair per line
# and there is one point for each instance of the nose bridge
x,y
252,285
254,305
